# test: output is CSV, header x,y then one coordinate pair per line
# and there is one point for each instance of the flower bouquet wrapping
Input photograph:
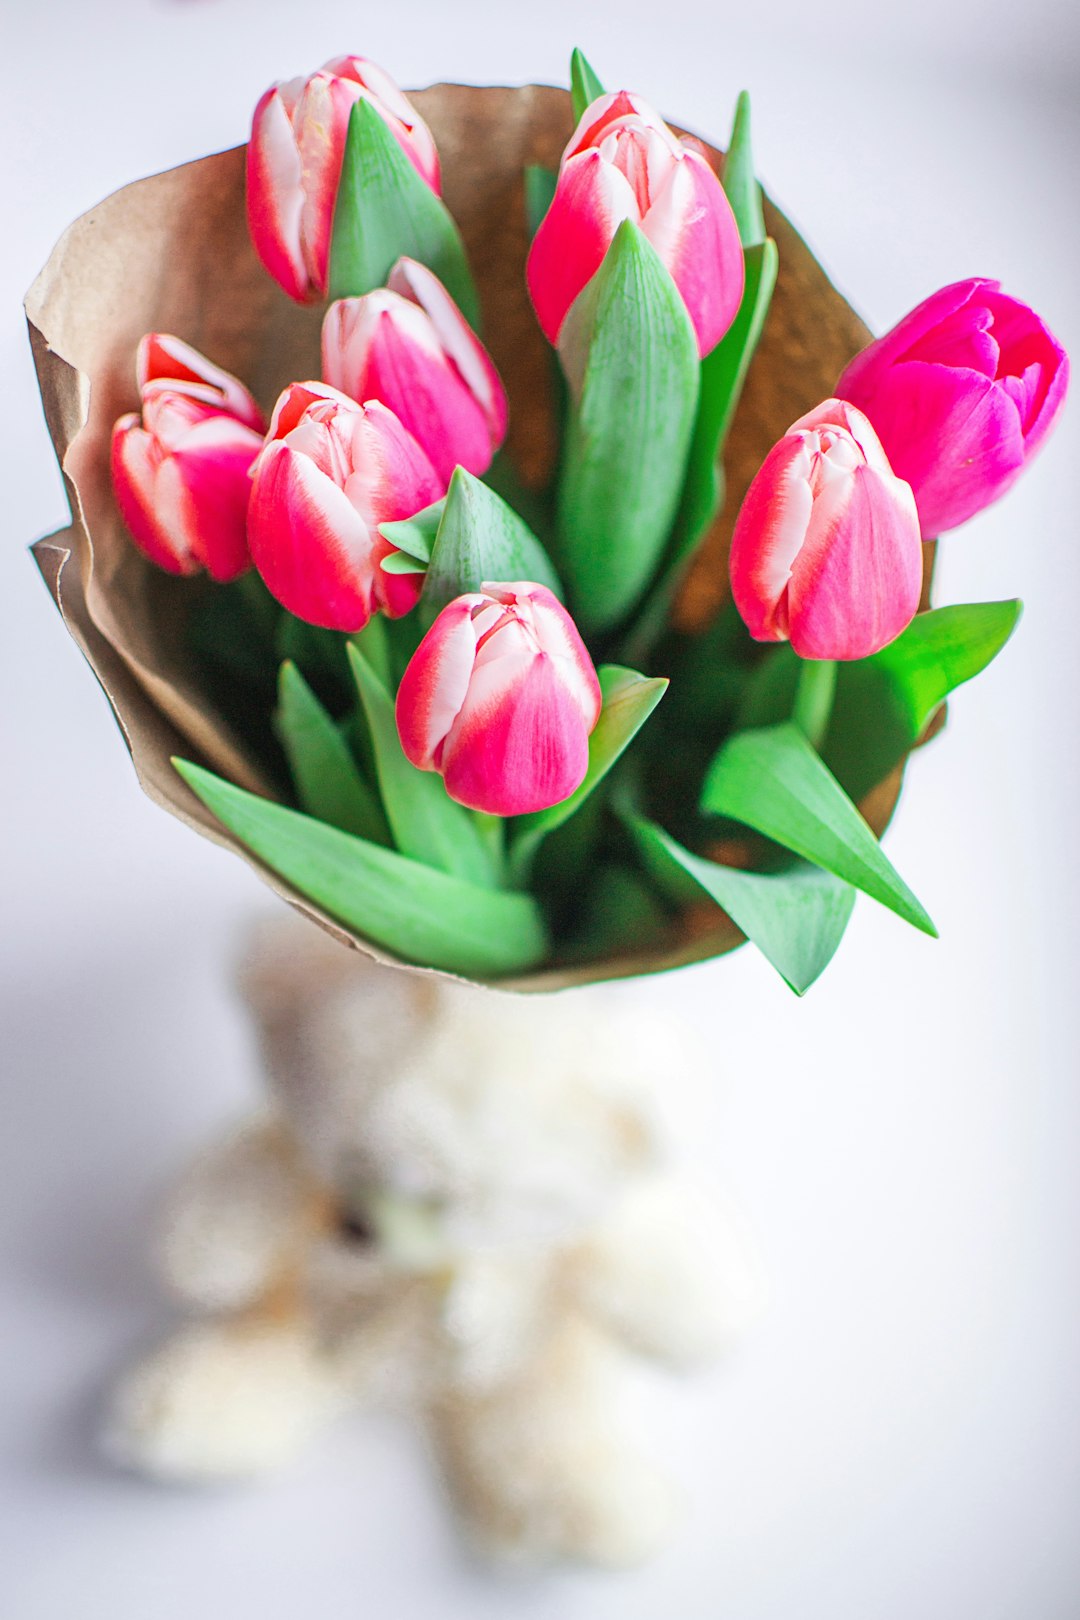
x,y
488,520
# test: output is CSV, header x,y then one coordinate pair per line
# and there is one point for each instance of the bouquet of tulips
x,y
494,733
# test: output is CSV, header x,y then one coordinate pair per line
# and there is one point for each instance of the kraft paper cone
x,y
171,253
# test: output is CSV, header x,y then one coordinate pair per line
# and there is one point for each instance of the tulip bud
x,y
500,698
294,162
408,345
826,551
331,471
180,466
962,393
623,162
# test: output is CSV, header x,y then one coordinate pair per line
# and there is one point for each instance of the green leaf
x,y
739,180
481,538
420,914
427,824
399,563
415,536
621,913
883,703
328,783
585,87
773,781
383,210
631,359
629,699
540,186
795,918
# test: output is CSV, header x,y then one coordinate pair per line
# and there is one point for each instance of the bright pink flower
x,y
962,392
162,360
409,345
294,164
180,467
330,473
623,162
500,698
826,551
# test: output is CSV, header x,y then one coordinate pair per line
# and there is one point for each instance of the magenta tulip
x,y
962,393
331,471
826,551
180,466
294,164
500,698
408,345
623,162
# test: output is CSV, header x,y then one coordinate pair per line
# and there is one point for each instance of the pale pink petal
x,y
392,477
135,464
557,635
162,356
293,401
855,585
423,287
692,228
309,543
841,413
769,532
607,111
434,685
321,122
275,196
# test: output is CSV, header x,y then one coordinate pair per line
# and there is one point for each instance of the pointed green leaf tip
x,y
631,360
772,780
423,916
328,782
480,537
585,87
385,209
796,918
739,180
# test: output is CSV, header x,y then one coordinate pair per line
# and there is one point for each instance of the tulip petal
x,y
434,685
275,197
309,543
135,466
769,531
591,200
519,743
458,339
160,356
859,377
856,582
692,228
209,474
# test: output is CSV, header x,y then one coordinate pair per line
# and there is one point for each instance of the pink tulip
x,y
826,551
962,393
294,164
330,473
170,362
180,467
500,698
409,345
623,162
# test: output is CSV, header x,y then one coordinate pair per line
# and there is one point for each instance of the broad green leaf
x,y
427,824
415,536
631,359
795,918
423,915
540,186
772,780
629,699
373,644
385,209
723,375
481,538
739,180
328,783
883,703
585,87
399,563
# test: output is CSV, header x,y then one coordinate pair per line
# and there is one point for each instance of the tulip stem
x,y
493,832
814,698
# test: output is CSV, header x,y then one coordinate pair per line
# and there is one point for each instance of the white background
x,y
900,1436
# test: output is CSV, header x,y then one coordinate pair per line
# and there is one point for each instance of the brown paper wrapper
x,y
172,253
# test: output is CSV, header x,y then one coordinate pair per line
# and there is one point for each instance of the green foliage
x,y
328,782
480,538
585,87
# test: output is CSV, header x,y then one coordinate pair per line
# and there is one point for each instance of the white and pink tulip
x,y
826,551
409,345
500,698
623,162
331,471
180,465
294,162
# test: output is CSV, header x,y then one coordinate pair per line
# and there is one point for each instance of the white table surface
x,y
900,1437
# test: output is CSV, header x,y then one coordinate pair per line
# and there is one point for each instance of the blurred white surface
x,y
901,1436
